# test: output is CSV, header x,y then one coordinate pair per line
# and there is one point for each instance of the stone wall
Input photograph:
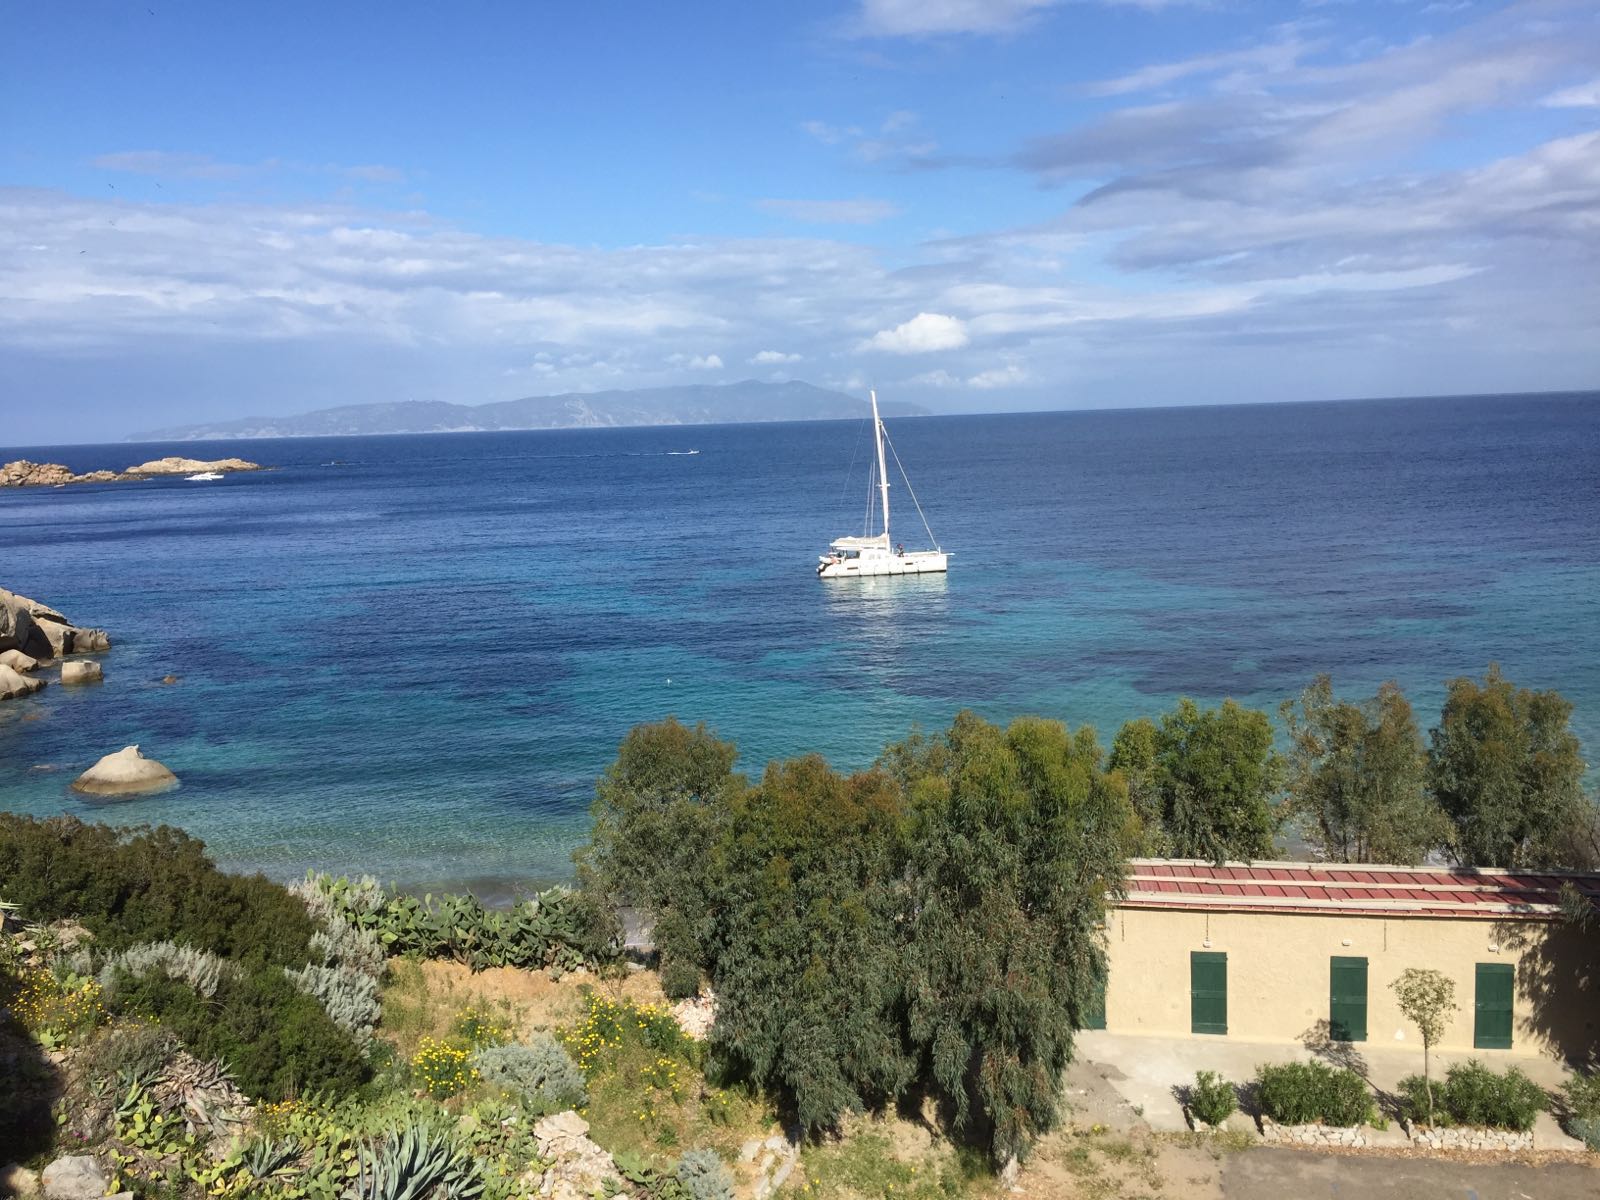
x,y
1469,1138
1315,1135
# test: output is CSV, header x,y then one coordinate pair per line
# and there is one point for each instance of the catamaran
x,y
876,554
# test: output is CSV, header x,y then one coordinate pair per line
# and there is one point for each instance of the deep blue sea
x,y
413,655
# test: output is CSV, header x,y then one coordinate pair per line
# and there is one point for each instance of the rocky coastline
x,y
25,473
33,637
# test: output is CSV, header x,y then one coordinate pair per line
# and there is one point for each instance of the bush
x,y
1582,1094
1312,1093
552,929
1212,1098
277,1041
201,971
443,1068
540,1073
348,996
147,885
1472,1094
704,1176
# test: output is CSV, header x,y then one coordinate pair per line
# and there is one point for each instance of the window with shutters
x,y
1491,1024
1208,991
1347,999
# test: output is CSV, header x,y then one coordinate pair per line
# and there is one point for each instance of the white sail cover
x,y
881,542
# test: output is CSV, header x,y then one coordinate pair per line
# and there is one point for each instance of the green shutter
x,y
1208,992
1095,1018
1347,999
1491,1026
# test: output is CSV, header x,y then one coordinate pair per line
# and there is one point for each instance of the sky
x,y
218,210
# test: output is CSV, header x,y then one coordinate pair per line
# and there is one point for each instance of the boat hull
x,y
919,562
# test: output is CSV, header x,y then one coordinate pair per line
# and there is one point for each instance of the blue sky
x,y
212,210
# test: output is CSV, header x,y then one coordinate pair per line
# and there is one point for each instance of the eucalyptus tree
x,y
1357,777
1507,770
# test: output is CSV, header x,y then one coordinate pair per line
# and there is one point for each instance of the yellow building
x,y
1305,952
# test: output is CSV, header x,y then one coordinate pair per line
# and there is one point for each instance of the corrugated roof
x,y
1351,889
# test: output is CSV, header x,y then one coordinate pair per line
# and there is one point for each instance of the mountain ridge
x,y
690,404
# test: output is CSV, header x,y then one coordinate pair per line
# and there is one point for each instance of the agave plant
x,y
264,1157
417,1163
204,1092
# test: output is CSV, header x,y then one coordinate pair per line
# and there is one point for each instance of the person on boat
x,y
900,549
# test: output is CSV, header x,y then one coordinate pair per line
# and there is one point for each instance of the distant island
x,y
695,404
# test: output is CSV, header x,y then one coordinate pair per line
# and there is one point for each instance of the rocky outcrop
x,y
40,632
579,1168
174,465
18,661
14,683
23,473
125,773
81,672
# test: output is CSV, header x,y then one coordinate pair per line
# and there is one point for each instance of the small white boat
x,y
203,477
876,554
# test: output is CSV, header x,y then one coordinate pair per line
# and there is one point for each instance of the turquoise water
x,y
413,655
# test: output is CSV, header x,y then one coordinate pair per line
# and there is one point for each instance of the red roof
x,y
1351,889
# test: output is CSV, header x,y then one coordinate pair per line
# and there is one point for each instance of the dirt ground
x,y
423,998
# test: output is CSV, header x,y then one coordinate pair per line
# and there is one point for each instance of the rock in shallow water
x,y
80,672
127,772
14,683
18,661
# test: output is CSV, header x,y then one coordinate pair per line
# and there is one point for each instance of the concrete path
x,y
1265,1174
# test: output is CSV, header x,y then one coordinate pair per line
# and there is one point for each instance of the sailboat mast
x,y
883,470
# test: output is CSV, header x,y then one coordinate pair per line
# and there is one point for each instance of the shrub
x,y
147,885
348,996
704,1176
442,1068
1582,1094
201,971
341,944
1212,1098
138,1049
277,1041
55,1011
1311,1093
1473,1094
540,1073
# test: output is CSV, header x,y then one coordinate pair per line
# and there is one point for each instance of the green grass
x,y
864,1164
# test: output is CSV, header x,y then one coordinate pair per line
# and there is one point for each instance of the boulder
x,y
14,683
18,661
16,624
78,1177
127,772
17,1180
41,632
80,672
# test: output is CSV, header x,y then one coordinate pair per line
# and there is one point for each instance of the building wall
x,y
1278,975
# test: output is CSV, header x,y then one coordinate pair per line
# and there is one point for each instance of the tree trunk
x,y
1427,1080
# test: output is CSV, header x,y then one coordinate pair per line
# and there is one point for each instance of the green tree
x,y
1508,771
1357,777
1427,998
808,965
658,816
1133,753
1017,838
1204,779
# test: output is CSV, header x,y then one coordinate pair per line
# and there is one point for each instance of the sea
x,y
412,656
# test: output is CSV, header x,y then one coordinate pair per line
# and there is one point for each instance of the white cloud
x,y
922,18
1584,95
832,212
167,164
998,377
767,358
922,334
697,362
939,379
